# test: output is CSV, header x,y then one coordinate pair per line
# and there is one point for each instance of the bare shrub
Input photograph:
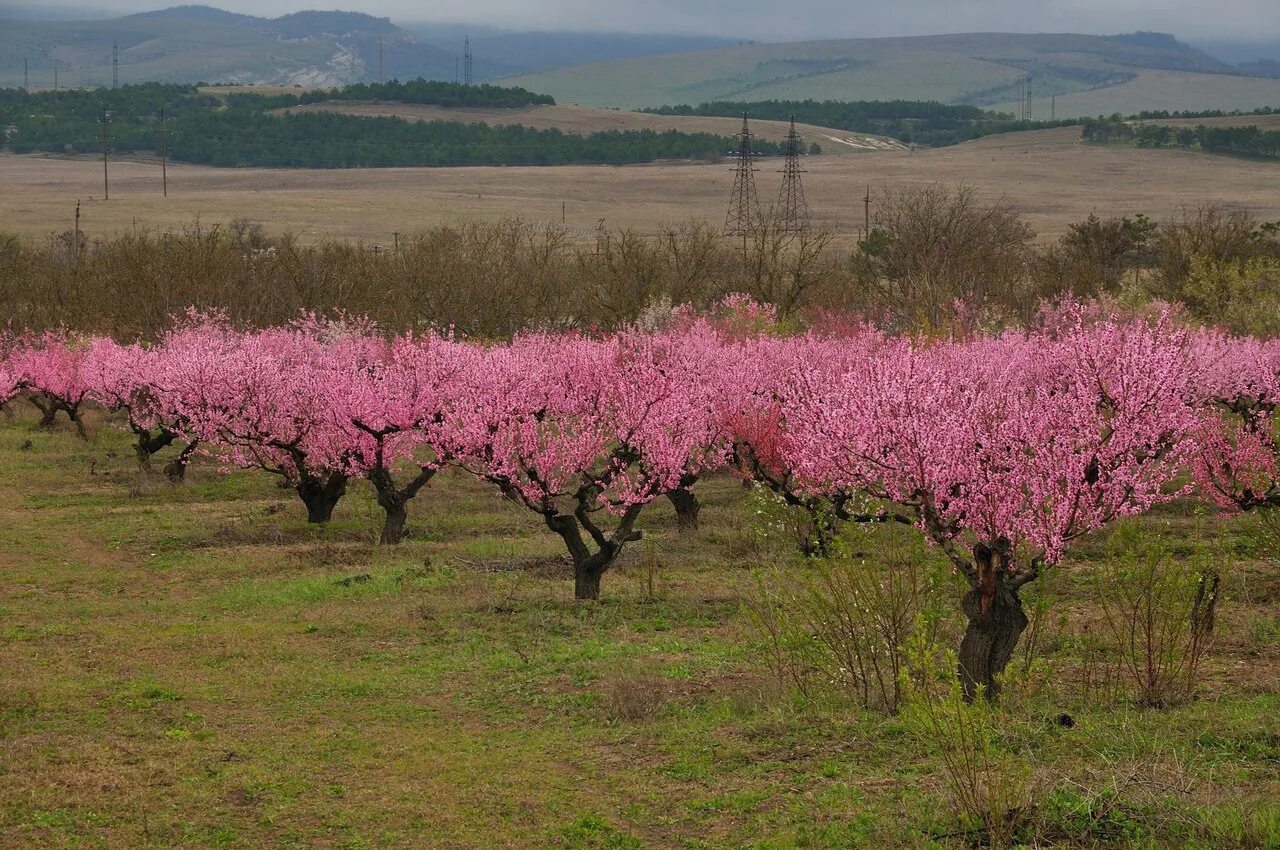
x,y
1209,231
841,622
981,744
1160,613
933,246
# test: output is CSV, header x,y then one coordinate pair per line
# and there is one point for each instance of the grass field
x,y
1155,90
584,119
1046,175
194,666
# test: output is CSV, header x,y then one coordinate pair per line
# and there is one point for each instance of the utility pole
x,y
466,60
55,79
115,65
866,213
77,237
26,78
743,216
104,120
1053,107
395,241
164,155
562,212
381,77
792,211
455,70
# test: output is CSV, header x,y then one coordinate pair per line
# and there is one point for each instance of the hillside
x,y
309,48
985,69
200,43
582,120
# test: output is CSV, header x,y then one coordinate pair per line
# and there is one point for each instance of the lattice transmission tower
x,y
792,212
466,60
743,218
115,65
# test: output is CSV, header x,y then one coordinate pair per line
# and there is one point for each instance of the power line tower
x,y
105,121
466,60
792,213
743,217
26,78
381,78
115,65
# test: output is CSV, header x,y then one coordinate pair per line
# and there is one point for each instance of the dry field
x,y
585,119
1172,90
1046,175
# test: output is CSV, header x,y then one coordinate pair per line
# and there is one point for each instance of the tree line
x,y
433,92
490,279
921,122
1247,141
244,131
1000,449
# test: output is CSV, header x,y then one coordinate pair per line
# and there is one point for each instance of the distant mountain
x,y
310,48
983,69
202,43
1241,52
1261,68
503,52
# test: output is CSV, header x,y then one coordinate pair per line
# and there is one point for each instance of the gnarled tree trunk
x,y
395,500
687,508
176,469
996,621
321,493
589,566
149,442
48,410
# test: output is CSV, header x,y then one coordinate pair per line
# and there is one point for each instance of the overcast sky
x,y
780,20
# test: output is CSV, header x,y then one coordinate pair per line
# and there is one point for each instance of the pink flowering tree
x,y
585,433
256,400
1236,461
1004,451
121,379
387,406
51,368
10,379
768,372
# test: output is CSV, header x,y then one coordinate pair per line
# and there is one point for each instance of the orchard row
x,y
1000,450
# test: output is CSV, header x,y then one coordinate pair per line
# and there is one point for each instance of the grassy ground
x,y
193,666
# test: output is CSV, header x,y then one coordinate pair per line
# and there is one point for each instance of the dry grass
x,y
1045,175
585,119
1155,89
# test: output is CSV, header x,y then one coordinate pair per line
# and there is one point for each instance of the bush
x,y
986,764
1159,613
840,623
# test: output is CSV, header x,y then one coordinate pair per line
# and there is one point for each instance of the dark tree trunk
x,y
321,494
589,566
176,469
395,501
687,508
996,622
73,412
48,411
586,578
149,443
